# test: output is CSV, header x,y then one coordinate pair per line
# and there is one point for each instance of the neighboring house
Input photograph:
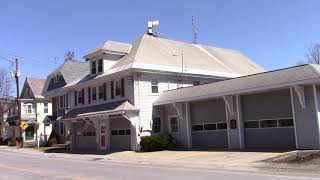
x,y
272,110
34,109
108,104
5,105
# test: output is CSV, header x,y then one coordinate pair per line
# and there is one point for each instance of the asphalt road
x,y
20,166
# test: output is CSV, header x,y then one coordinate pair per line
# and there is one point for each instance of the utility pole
x,y
16,76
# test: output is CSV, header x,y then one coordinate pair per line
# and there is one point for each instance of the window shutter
x,y
104,91
75,98
82,96
89,95
112,89
122,87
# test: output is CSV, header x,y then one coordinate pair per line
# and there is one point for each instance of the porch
x,y
104,127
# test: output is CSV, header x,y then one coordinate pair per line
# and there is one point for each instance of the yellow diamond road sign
x,y
24,125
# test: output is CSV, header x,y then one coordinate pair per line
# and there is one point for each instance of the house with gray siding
x,y
108,101
270,110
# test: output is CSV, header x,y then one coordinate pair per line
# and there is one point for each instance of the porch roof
x,y
298,75
113,107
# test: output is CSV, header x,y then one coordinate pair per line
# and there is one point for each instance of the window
x,y
251,124
156,124
67,100
268,123
114,132
173,124
285,122
120,132
45,110
197,127
80,97
118,88
100,65
128,132
208,127
93,67
154,86
222,126
75,98
61,102
61,128
28,108
100,92
196,83
94,93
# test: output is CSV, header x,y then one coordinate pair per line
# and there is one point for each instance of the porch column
x,y
188,125
305,108
96,125
69,132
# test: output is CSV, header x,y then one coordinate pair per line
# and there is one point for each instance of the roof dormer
x,y
105,56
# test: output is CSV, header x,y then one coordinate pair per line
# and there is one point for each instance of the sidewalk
x,y
249,161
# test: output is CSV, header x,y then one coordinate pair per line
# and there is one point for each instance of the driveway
x,y
224,159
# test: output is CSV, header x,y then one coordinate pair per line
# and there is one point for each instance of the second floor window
x,y
80,97
154,86
61,102
93,67
28,108
118,88
94,93
100,92
100,65
45,110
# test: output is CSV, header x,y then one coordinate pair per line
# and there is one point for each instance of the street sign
x,y
24,125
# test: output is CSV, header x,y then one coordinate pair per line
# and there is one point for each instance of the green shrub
x,y
157,142
53,139
12,142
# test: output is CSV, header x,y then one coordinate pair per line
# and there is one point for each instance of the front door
x,y
29,133
103,137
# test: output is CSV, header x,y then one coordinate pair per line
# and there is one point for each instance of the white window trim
x,y
26,108
151,85
169,124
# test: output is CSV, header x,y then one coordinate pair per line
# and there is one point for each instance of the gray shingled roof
x,y
269,80
36,86
150,52
101,108
73,70
111,46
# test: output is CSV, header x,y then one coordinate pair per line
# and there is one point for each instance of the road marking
x,y
172,167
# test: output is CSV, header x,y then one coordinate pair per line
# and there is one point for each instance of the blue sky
x,y
273,33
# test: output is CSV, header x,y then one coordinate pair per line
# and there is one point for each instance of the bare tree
x,y
69,56
6,91
313,55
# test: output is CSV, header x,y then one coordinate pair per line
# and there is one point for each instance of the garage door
x,y
268,122
86,140
209,126
120,134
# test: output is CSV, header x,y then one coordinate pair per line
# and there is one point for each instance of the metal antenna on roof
x,y
194,31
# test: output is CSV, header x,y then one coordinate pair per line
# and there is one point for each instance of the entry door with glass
x,y
103,137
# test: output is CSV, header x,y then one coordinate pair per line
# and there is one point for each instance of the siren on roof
x,y
152,27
